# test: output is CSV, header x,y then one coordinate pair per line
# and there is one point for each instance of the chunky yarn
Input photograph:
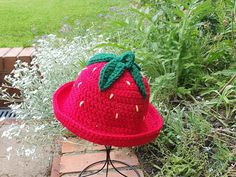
x,y
108,103
115,67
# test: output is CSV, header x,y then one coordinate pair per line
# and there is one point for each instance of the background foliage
x,y
187,50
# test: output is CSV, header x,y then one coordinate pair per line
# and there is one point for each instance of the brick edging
x,y
8,57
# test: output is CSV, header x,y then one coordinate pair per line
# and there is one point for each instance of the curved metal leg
x,y
129,166
107,162
91,165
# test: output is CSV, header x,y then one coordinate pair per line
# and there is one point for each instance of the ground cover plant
x,y
22,21
56,61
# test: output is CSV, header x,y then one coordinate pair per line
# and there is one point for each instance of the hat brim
x,y
151,127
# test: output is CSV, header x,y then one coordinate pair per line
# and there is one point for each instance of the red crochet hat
x,y
108,103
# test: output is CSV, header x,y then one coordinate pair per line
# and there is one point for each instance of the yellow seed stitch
x,y
94,69
128,82
136,106
111,96
144,117
81,103
117,115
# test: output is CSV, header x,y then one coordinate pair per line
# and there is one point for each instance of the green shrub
x,y
185,43
188,146
187,50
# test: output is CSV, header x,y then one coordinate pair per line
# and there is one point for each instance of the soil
x,y
37,165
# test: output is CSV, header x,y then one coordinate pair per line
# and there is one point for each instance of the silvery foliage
x,y
56,61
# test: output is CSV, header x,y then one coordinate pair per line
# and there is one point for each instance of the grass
x,y
22,21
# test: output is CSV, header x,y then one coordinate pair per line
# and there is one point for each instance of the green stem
x,y
181,41
233,35
226,84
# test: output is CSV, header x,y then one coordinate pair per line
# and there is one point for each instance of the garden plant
x,y
187,51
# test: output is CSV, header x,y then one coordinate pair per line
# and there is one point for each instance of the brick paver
x,y
9,122
76,145
128,173
72,163
8,57
76,154
55,166
26,54
3,51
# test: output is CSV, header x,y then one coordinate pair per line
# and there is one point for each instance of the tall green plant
x,y
182,41
186,48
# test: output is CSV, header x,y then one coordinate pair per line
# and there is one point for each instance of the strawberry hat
x,y
108,103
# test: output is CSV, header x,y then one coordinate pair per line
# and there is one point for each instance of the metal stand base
x,y
107,162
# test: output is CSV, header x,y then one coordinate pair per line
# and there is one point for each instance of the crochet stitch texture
x,y
115,68
108,103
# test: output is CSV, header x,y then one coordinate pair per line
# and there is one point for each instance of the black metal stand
x,y
107,162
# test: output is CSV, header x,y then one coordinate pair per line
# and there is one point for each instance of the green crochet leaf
x,y
138,80
115,68
110,73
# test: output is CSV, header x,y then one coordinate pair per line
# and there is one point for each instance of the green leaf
x,y
145,15
154,18
138,79
110,73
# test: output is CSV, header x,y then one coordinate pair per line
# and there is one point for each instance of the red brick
x,y
9,122
55,166
79,145
2,105
76,163
110,174
3,51
26,54
14,52
9,59
2,75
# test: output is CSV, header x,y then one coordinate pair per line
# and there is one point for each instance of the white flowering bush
x,y
56,61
